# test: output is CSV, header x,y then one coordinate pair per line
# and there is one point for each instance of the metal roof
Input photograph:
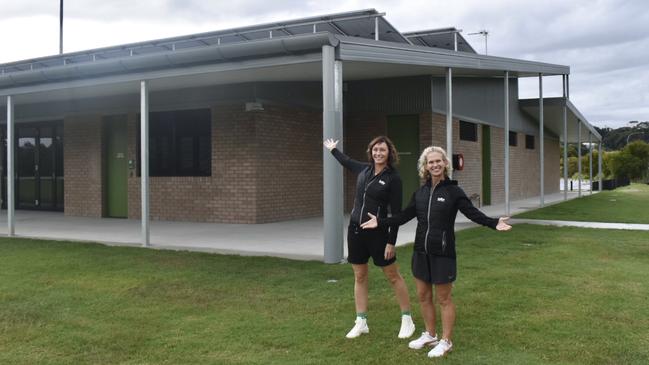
x,y
266,44
463,63
440,38
359,24
553,118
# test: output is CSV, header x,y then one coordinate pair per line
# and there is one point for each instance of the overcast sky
x,y
605,42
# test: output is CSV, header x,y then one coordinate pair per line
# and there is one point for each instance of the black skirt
x,y
433,269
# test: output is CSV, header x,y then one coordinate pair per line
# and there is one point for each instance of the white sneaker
x,y
443,347
407,326
425,340
359,328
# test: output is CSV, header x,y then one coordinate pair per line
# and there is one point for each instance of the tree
x,y
632,161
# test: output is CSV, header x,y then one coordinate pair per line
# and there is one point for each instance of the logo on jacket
x,y
440,199
381,182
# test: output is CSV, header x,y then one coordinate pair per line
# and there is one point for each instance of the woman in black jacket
x,y
435,204
378,190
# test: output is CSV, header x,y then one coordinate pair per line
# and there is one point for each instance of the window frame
x,y
513,139
529,142
169,129
464,126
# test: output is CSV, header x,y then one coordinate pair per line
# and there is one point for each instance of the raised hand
x,y
330,144
502,224
372,223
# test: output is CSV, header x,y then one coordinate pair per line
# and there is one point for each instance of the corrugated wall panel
x,y
403,95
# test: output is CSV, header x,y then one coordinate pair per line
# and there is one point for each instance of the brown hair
x,y
393,155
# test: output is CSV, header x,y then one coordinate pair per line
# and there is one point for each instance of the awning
x,y
553,118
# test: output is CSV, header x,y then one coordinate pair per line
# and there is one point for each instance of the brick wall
x,y
497,165
82,161
470,178
288,163
524,168
228,196
266,166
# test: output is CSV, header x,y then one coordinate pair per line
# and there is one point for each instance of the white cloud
x,y
606,42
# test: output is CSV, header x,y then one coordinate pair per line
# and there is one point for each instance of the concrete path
x,y
296,239
602,225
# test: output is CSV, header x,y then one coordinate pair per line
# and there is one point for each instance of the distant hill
x,y
616,139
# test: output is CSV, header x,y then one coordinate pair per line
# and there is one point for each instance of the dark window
x,y
529,142
513,139
468,131
180,143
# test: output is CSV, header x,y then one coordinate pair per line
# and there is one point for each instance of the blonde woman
x,y
435,204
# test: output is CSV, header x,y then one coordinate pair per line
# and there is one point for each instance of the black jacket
x,y
379,195
436,210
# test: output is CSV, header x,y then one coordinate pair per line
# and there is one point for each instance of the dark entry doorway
x,y
38,166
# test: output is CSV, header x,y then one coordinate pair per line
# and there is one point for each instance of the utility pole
x,y
61,27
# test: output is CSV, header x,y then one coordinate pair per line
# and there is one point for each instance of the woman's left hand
x,y
502,224
389,251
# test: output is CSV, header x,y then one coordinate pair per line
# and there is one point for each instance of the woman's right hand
x,y
330,144
372,223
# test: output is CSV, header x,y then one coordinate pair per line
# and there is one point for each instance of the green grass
x,y
534,295
623,205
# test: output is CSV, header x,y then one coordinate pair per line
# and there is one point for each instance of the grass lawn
x,y
534,295
623,205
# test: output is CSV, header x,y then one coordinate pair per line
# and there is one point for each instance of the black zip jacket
x,y
379,195
436,209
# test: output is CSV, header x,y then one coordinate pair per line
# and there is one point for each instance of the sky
x,y
605,42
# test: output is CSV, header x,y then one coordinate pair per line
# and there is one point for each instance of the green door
x,y
403,130
486,165
116,167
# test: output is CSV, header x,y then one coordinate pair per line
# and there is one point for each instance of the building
x,y
232,122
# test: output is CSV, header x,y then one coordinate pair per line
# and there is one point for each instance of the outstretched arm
x,y
396,220
346,161
466,207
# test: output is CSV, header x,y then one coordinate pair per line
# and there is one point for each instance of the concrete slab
x,y
600,225
297,239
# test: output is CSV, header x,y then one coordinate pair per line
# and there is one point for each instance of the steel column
x,y
506,113
579,158
565,140
449,116
590,161
599,162
10,167
332,174
61,27
376,29
541,143
144,159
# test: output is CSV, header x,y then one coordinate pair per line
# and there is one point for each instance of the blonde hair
x,y
421,163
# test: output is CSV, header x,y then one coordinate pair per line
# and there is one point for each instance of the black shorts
x,y
365,243
433,269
